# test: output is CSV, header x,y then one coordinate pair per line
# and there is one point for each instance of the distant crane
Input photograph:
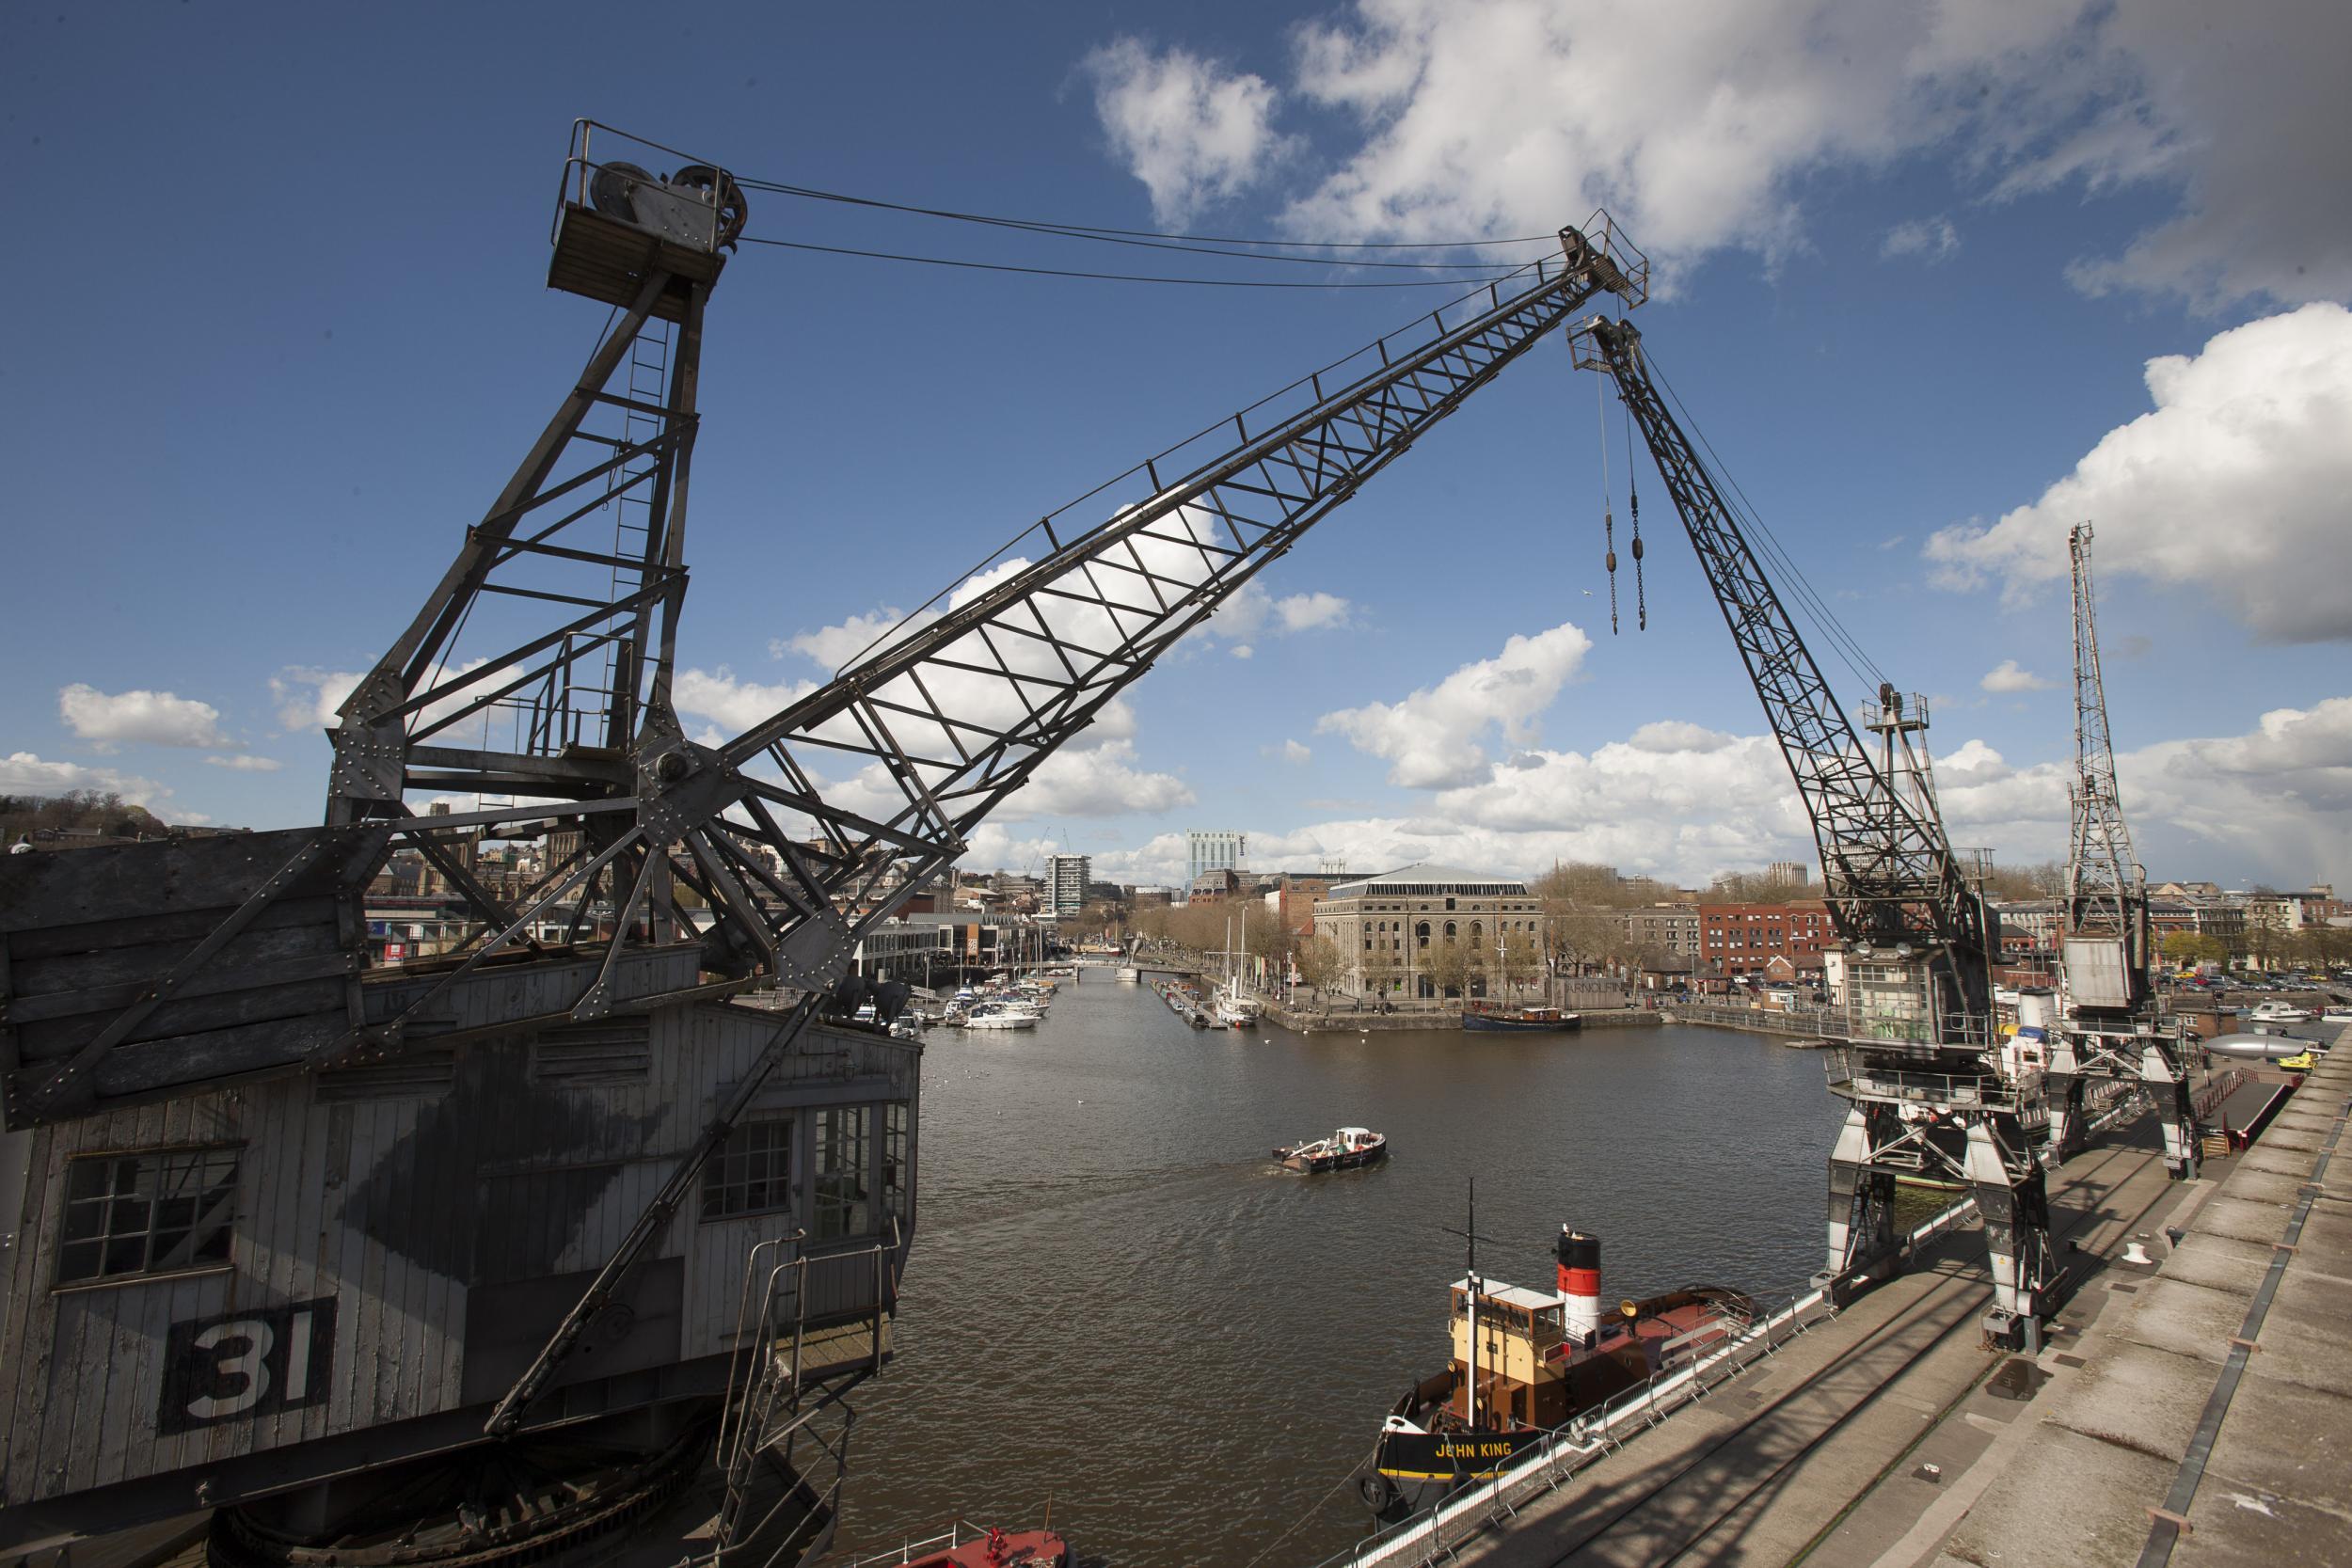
x,y
1917,935
2108,1025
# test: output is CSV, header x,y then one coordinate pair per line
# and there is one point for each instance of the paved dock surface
x,y
2113,1443
1823,1452
1891,1438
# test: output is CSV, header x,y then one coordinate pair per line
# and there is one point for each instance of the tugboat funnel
x,y
1579,1284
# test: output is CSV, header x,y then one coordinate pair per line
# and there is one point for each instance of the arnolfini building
x,y
1389,927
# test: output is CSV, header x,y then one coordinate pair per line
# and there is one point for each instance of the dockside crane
x,y
2108,1025
494,1251
1919,1028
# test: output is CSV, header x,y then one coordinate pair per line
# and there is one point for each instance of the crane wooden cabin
x,y
284,1229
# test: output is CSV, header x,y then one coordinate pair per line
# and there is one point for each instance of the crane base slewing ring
x,y
505,1522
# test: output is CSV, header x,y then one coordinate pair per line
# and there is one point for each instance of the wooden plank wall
x,y
393,1203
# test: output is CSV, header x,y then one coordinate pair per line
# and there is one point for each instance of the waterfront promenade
x,y
2195,1409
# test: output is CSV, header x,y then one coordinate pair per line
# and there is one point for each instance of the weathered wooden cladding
x,y
88,939
466,1191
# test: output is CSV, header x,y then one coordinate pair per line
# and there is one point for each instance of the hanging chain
x,y
1608,517
1633,506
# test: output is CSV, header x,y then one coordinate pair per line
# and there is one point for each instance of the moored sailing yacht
x,y
1234,1009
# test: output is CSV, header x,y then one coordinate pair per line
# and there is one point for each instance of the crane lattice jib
x,y
956,709
817,823
2101,877
1889,874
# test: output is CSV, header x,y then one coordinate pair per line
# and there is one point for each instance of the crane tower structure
x,y
1919,1028
456,1261
2108,1025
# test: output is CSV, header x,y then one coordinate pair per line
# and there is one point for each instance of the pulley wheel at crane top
x,y
609,188
724,193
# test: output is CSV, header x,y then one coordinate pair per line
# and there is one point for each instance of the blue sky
x,y
283,334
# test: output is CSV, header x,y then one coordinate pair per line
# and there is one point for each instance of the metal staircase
x,y
787,1418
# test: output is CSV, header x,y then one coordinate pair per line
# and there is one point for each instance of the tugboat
x,y
1345,1149
1526,1362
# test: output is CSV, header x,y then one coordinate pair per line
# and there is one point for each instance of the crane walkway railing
x,y
958,1532
780,1361
1442,1529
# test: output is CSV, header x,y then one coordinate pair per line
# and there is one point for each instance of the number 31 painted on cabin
x,y
247,1364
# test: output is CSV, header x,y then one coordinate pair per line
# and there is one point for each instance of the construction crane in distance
x,y
1919,1028
2108,1025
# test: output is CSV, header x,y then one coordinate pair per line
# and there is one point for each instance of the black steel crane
x,y
955,709
1918,940
537,679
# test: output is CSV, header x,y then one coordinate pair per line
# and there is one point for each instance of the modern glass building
x,y
1213,851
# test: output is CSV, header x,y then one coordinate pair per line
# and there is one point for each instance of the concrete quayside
x,y
2190,1407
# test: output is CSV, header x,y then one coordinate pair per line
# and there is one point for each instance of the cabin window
x,y
842,1208
751,1173
897,1173
165,1211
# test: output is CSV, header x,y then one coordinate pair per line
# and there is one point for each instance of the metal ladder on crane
x,y
775,1394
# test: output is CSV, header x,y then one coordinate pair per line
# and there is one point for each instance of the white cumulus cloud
x,y
835,646
152,718
1251,613
2008,676
312,698
23,773
735,704
1683,804
1702,125
309,697
1930,239
1432,737
2234,483
1192,130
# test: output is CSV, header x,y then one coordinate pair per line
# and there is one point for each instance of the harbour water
x,y
1118,1303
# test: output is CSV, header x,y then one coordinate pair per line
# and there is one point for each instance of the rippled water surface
x,y
1118,1302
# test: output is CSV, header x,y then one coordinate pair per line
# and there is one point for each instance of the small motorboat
x,y
967,1546
1345,1149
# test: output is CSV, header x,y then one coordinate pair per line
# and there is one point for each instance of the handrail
x,y
1568,1447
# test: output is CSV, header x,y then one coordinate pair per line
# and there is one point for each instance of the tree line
x,y
80,810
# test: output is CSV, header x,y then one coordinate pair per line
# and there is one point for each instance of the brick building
x,y
1745,938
